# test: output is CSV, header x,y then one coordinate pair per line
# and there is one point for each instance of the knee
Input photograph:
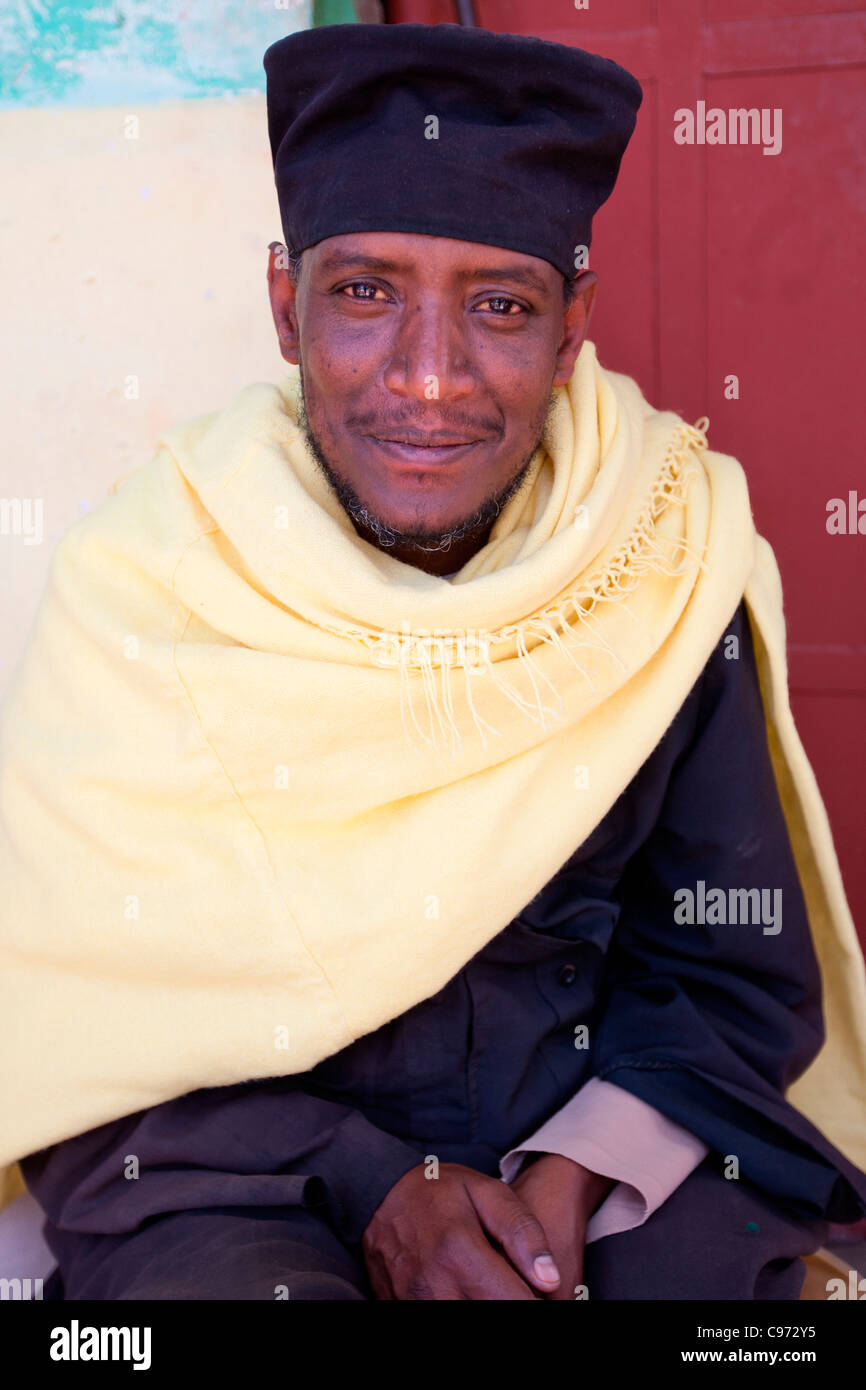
x,y
714,1238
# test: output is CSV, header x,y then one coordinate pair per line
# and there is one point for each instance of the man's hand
x,y
461,1235
563,1195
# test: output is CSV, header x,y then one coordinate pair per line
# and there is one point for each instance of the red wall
x,y
718,260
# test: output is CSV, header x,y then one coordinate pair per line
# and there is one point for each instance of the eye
x,y
503,299
360,285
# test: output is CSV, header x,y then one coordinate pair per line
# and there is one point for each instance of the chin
x,y
425,529
415,519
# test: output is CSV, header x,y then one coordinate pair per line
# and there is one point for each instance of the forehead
x,y
416,254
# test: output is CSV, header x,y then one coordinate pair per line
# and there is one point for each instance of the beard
x,y
425,540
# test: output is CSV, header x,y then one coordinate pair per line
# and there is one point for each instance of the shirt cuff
x,y
615,1134
359,1170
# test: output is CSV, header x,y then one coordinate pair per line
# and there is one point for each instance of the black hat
x,y
444,130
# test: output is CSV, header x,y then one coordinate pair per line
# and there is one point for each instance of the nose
x,y
428,359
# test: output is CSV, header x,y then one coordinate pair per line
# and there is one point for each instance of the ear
x,y
283,294
575,326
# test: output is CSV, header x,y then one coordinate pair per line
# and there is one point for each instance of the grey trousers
x,y
714,1238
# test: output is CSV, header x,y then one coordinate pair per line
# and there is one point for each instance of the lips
x,y
432,439
435,450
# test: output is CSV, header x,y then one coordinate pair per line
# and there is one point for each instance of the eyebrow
x,y
516,274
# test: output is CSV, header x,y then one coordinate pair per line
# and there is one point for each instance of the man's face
x,y
427,367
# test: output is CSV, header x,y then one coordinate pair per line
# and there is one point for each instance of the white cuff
x,y
613,1133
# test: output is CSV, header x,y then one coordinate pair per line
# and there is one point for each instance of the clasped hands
x,y
463,1235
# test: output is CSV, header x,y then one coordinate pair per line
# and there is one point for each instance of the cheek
x,y
329,354
337,382
328,389
524,420
520,381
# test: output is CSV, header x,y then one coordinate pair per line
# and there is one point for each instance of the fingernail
x,y
545,1268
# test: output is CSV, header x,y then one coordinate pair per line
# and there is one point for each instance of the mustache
x,y
423,431
414,428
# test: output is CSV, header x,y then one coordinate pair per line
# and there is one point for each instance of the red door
x,y
718,262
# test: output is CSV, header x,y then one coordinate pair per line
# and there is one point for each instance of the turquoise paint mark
x,y
79,53
334,12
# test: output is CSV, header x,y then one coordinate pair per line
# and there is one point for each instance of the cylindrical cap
x,y
447,131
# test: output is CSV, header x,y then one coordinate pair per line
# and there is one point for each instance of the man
x,y
399,782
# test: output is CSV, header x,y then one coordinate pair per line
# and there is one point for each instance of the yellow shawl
x,y
264,787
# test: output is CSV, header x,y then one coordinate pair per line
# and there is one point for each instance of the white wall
x,y
121,257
